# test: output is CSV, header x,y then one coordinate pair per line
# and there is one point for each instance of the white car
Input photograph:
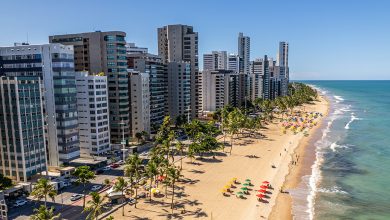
x,y
19,203
96,188
76,197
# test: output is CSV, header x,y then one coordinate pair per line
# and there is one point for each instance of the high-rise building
x,y
54,65
179,89
178,43
220,88
22,129
93,117
282,62
132,49
244,47
140,102
97,52
216,60
234,63
256,76
266,78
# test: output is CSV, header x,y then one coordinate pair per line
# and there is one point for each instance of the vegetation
x,y
43,189
5,182
121,186
95,206
84,176
42,213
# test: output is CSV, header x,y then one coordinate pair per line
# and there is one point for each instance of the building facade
x,y
244,47
54,65
178,43
97,52
179,89
140,102
234,63
22,128
216,60
93,116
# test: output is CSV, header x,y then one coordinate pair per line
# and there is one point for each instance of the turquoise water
x,y
352,169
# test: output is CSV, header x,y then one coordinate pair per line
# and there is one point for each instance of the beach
x,y
198,194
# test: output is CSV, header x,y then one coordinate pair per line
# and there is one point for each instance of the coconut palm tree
x,y
95,206
43,189
180,147
84,176
121,186
132,170
42,213
151,172
173,176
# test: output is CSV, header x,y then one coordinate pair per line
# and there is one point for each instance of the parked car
x,y
73,180
20,202
100,171
106,168
120,162
76,197
114,165
96,188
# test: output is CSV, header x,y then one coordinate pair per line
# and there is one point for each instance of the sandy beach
x,y
198,194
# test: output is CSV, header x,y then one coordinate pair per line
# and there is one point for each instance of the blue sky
x,y
332,39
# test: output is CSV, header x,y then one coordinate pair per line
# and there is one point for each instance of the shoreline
x,y
283,208
256,157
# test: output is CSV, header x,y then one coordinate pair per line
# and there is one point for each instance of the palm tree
x,y
106,182
180,147
110,218
84,176
121,186
173,176
43,189
151,172
132,170
95,206
138,135
44,214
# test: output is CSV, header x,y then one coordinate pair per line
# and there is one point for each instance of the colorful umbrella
x,y
223,190
260,195
239,193
265,182
244,188
262,190
246,184
264,187
247,180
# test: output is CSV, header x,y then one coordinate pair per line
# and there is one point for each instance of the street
x,y
62,204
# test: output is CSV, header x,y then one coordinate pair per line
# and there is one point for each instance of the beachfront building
x,y
256,76
284,72
97,52
22,128
244,53
234,63
179,43
158,85
220,88
139,98
93,117
179,89
54,65
216,60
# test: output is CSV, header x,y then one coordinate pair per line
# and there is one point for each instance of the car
x,y
20,202
106,168
114,165
96,188
120,162
97,172
76,197
73,180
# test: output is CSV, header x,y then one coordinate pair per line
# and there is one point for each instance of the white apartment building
x,y
139,96
256,76
216,60
234,63
244,51
179,89
93,114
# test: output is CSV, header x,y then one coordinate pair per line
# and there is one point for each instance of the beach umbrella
x,y
260,195
247,180
262,190
244,188
246,184
239,193
265,182
264,187
223,190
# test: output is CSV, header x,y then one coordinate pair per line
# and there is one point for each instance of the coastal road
x,y
62,204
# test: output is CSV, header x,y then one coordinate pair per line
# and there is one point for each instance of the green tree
x,y
151,172
42,213
173,176
43,189
180,147
138,135
94,206
121,186
5,182
84,176
132,170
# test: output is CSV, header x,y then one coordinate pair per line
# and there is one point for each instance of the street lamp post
x,y
123,140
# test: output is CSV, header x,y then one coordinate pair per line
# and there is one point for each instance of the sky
x,y
329,39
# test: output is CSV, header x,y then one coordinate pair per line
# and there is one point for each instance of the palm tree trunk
x,y
173,194
45,200
136,194
123,207
231,144
150,189
84,196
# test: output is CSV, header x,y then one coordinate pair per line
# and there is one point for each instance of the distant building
x,y
234,63
179,43
140,102
97,52
93,116
22,129
220,88
216,60
244,48
179,89
284,72
256,76
132,49
54,65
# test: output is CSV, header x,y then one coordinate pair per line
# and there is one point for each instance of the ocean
x,y
350,170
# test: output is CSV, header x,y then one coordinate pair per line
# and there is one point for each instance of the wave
x,y
353,118
333,190
339,98
334,146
